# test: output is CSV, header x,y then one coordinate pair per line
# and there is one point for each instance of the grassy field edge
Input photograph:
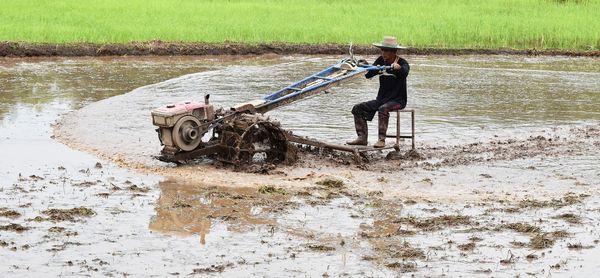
x,y
571,25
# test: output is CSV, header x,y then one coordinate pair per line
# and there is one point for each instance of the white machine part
x,y
180,125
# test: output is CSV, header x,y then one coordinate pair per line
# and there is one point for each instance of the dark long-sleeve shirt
x,y
392,83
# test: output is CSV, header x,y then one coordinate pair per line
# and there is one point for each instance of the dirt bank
x,y
157,47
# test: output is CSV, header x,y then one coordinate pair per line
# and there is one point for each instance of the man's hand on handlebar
x,y
395,65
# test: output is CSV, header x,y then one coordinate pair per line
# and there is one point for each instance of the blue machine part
x,y
329,77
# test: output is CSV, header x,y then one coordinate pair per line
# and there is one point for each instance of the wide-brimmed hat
x,y
389,42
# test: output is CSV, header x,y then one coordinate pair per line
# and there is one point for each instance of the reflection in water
x,y
190,209
181,222
80,81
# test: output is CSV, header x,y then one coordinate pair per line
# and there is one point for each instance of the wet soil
x,y
240,229
21,49
518,196
474,137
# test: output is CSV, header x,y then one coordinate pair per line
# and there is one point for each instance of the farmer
x,y
391,95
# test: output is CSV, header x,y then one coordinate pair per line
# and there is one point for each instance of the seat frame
x,y
398,134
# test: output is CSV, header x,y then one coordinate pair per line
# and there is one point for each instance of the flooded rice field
x,y
504,180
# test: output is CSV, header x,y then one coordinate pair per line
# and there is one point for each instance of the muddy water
x,y
434,217
458,100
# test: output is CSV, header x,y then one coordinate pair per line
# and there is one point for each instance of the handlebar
x,y
360,63
372,67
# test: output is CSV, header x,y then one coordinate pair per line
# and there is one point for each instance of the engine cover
x,y
167,116
193,114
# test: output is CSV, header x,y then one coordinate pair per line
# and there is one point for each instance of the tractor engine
x,y
181,126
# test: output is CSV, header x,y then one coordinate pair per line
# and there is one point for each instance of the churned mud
x,y
489,190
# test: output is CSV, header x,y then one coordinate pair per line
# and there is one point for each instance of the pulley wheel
x,y
186,134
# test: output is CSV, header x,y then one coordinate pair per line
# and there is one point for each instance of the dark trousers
x,y
366,110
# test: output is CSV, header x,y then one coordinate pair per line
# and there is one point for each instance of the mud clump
x,y
61,230
384,229
436,223
410,202
403,267
62,247
578,246
406,251
467,247
390,249
534,204
475,239
211,269
68,214
546,240
263,169
518,244
269,189
567,200
541,241
56,230
522,228
409,155
180,204
403,232
375,193
320,247
5,212
559,234
571,199
331,183
135,188
14,227
413,155
569,217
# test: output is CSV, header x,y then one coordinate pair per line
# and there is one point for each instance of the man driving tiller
x,y
390,97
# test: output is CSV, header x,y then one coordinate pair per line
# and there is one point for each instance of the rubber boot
x,y
361,130
383,125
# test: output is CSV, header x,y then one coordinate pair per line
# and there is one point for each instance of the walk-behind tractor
x,y
242,135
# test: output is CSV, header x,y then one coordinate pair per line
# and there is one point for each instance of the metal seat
x,y
398,135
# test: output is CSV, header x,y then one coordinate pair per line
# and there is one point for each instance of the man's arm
x,y
401,70
372,73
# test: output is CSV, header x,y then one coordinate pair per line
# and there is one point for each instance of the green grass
x,y
540,24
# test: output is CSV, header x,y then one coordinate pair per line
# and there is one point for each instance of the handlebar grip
x,y
378,68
